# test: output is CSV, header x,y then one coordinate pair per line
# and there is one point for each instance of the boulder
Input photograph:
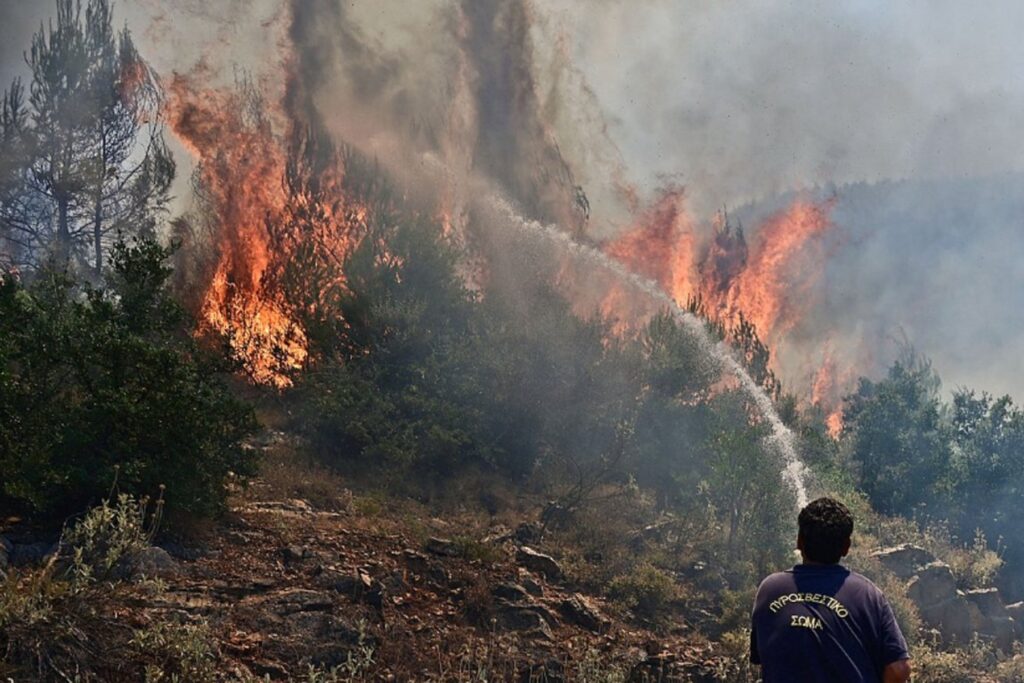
x,y
933,584
442,546
513,618
417,562
30,554
532,586
539,562
528,532
955,618
148,563
903,560
1016,612
942,607
988,602
295,600
293,554
512,592
579,610
1002,631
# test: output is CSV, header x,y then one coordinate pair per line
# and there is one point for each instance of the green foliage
x,y
960,464
898,438
95,381
647,591
107,535
176,653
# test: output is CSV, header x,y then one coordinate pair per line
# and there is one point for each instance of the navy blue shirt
x,y
823,623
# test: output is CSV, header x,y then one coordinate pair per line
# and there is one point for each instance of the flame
x,y
660,246
773,284
831,382
261,220
777,286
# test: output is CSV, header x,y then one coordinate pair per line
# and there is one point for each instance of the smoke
x,y
743,100
931,263
579,112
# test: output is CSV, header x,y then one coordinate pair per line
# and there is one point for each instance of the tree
x,y
105,383
88,157
898,438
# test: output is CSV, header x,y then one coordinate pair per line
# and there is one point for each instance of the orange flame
x,y
243,173
660,246
831,383
777,286
772,284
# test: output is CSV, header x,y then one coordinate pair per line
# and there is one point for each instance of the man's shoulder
x,y
864,583
783,579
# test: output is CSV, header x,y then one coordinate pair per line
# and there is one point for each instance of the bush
x,y
176,652
647,591
94,380
107,535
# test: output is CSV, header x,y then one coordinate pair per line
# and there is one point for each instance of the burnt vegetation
x,y
643,476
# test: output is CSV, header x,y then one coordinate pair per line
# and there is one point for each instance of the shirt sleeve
x,y
892,644
754,657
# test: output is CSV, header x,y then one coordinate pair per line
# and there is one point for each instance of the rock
x,y
528,532
294,554
1002,631
933,583
1016,612
514,618
581,611
533,586
30,554
954,618
439,576
942,607
903,560
295,600
442,546
512,592
275,671
181,552
151,563
988,602
418,563
358,585
539,562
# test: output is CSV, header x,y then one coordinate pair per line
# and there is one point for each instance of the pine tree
x,y
90,160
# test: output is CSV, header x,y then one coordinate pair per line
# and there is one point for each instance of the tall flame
x,y
771,284
246,176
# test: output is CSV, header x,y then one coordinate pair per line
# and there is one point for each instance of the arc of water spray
x,y
794,470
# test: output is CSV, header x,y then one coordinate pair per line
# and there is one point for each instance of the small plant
x,y
590,667
358,664
108,535
178,653
734,664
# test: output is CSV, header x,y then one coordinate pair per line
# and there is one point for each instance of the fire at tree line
x,y
137,349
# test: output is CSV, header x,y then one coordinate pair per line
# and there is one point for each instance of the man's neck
x,y
811,563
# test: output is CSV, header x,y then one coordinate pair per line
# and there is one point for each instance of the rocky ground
x,y
379,595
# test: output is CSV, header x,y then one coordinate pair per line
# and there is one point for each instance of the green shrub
x,y
647,591
108,534
94,380
176,652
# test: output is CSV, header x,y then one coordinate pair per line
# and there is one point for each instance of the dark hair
x,y
825,527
